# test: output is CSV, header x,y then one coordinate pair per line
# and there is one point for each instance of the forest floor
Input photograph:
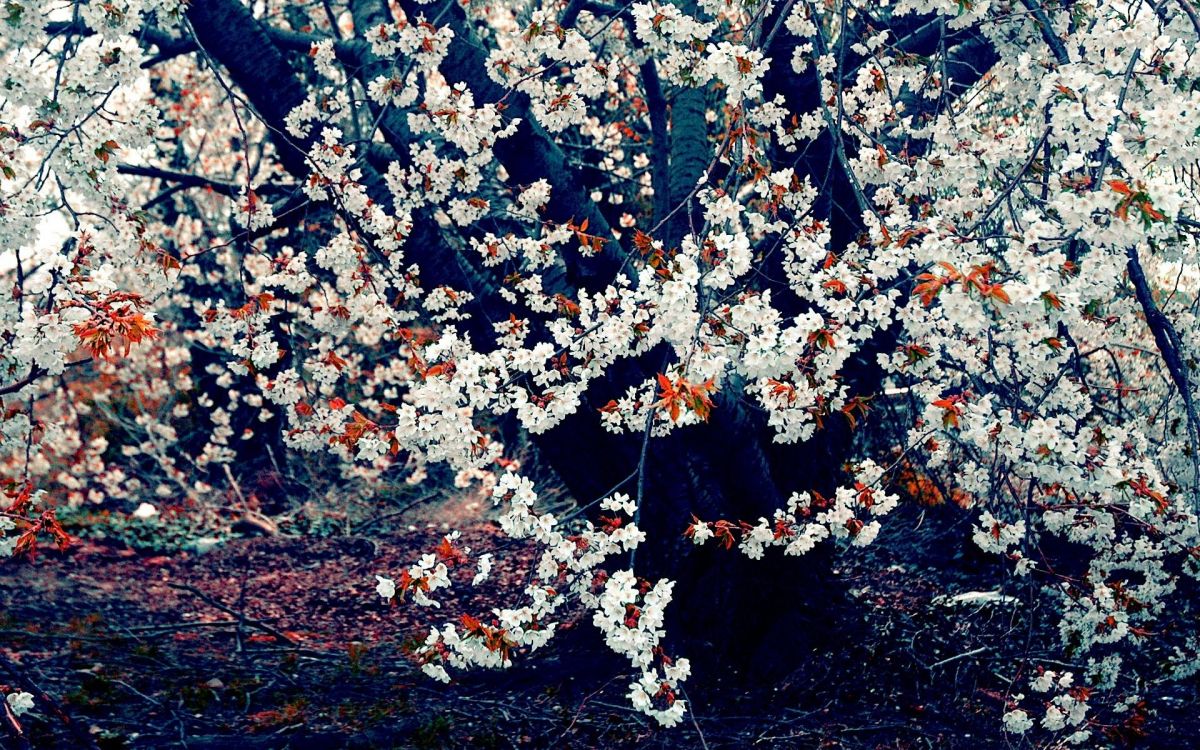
x,y
281,642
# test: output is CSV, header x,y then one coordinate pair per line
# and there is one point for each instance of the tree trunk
x,y
728,612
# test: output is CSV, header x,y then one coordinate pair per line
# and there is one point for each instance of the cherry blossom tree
x,y
691,251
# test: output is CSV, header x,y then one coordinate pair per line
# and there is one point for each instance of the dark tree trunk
x,y
762,617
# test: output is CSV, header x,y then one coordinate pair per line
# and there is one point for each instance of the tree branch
x,y
1170,347
183,179
34,373
1052,41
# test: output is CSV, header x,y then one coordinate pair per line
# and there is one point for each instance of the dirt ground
x,y
281,642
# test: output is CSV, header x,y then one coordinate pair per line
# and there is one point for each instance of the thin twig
x,y
257,624
965,655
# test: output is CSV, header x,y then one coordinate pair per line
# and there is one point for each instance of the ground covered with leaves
x,y
280,642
